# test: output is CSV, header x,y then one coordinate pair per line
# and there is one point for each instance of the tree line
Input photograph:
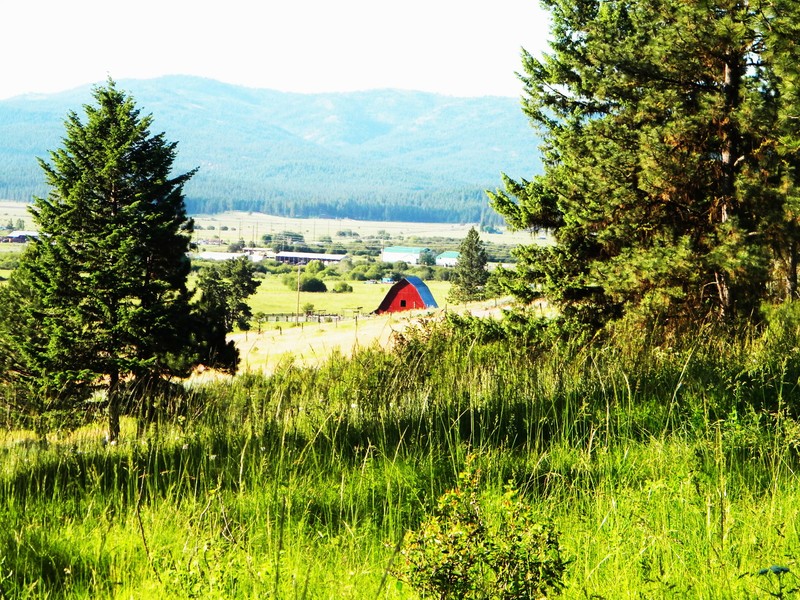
x,y
453,206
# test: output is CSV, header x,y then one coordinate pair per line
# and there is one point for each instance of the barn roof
x,y
419,286
424,291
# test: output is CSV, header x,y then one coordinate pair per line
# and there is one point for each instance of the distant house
x,y
447,259
407,254
303,258
20,237
409,293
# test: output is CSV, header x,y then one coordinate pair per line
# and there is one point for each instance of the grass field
x,y
272,296
13,211
251,226
666,472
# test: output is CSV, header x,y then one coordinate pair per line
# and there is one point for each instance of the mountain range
x,y
380,154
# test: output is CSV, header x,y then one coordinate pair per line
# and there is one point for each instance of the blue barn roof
x,y
424,291
398,299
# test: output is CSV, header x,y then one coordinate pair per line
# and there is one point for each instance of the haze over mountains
x,y
379,155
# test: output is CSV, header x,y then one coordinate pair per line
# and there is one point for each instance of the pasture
x,y
252,226
272,297
666,473
12,211
235,225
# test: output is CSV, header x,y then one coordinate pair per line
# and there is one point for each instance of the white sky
x,y
455,47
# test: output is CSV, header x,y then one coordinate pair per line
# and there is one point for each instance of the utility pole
x,y
298,293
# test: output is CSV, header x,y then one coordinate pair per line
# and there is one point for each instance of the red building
x,y
409,293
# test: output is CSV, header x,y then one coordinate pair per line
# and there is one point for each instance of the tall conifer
x,y
670,149
101,298
469,273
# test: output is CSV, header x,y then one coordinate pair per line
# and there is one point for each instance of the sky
x,y
452,47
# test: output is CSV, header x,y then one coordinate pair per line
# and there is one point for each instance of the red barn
x,y
407,294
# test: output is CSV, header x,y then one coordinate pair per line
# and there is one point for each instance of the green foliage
x,y
283,239
670,161
427,258
12,225
224,290
237,246
305,283
667,465
457,553
314,267
312,284
469,274
342,287
101,296
9,260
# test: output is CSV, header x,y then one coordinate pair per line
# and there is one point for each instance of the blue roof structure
x,y
407,294
423,290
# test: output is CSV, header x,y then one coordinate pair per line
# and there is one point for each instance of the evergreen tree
x,y
101,297
224,289
469,273
670,151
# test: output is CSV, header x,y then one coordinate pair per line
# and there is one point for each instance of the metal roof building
x,y
447,259
407,254
409,293
303,258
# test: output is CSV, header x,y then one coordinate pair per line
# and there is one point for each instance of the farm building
x,y
407,254
407,294
303,258
253,256
447,259
20,237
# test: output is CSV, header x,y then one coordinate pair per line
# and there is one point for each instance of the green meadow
x,y
666,467
274,297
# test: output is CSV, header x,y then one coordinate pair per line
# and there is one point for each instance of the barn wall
x,y
406,298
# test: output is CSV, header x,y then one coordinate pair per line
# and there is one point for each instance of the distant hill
x,y
380,155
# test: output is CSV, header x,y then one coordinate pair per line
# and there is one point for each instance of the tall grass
x,y
668,467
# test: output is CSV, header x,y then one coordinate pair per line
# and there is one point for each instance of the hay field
x,y
252,226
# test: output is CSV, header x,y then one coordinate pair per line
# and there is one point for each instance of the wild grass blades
x,y
666,471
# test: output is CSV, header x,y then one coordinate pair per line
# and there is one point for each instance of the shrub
x,y
312,284
307,284
342,287
459,553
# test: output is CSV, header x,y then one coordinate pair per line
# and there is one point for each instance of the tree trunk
x,y
791,273
113,408
730,140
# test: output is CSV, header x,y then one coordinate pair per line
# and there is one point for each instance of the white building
x,y
447,259
407,254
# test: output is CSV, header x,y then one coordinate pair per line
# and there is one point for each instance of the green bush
x,y
312,284
9,260
307,283
342,287
461,552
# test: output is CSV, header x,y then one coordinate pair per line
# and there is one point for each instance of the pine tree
x,y
101,298
670,152
224,289
469,273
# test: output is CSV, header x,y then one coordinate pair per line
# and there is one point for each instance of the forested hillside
x,y
381,155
